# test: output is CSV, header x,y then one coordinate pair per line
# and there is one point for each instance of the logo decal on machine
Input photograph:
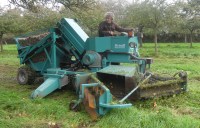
x,y
120,45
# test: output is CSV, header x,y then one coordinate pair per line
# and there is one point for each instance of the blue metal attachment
x,y
54,79
104,100
46,88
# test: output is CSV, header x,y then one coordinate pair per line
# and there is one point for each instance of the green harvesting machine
x,y
95,67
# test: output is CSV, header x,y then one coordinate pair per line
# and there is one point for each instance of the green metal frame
x,y
76,43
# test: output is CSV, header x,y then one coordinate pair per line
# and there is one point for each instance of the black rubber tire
x,y
25,75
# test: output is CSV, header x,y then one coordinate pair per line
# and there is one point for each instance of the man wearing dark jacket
x,y
107,27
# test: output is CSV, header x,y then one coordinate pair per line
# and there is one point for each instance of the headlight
x,y
132,44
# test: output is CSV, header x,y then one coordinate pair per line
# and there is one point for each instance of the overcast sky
x,y
3,2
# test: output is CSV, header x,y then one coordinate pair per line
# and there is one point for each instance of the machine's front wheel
x,y
25,75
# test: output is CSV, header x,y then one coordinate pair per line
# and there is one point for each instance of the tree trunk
x,y
140,41
140,36
1,42
185,38
191,39
155,41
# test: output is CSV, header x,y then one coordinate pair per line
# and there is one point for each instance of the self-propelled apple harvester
x,y
65,56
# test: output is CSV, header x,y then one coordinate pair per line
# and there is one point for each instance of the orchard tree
x,y
175,23
135,17
15,21
156,18
190,16
91,18
34,5
45,13
152,14
46,18
9,23
118,7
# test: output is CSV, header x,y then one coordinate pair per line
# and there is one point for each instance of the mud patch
x,y
87,124
197,78
187,111
43,125
8,71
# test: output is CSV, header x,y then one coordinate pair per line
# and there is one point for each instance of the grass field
x,y
178,111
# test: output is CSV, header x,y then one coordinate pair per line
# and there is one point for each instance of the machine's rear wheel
x,y
25,75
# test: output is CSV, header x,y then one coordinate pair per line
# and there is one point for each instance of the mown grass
x,y
178,111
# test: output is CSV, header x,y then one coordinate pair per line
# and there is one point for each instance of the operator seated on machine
x,y
107,27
